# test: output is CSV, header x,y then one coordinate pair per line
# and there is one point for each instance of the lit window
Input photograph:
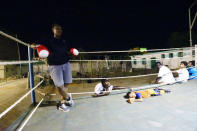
x,y
180,54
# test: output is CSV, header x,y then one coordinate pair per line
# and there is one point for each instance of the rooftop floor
x,y
176,111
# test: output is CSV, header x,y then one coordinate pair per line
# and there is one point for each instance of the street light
x,y
191,22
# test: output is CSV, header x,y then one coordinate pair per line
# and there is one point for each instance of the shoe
x,y
58,105
64,108
70,100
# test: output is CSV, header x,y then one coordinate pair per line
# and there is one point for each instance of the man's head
x,y
105,83
57,30
183,64
191,63
158,64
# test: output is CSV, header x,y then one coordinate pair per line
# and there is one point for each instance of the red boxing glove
x,y
42,51
74,51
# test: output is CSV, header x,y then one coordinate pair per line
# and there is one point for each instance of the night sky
x,y
101,25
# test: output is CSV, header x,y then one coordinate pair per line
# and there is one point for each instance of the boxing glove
x,y
74,51
42,51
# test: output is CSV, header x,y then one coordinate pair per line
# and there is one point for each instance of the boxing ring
x,y
174,111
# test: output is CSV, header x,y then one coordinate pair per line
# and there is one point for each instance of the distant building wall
x,y
169,58
2,72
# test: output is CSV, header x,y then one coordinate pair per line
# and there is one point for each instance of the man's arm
x,y
34,45
120,87
101,94
157,80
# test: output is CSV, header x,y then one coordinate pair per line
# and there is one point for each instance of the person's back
x,y
166,75
183,72
192,70
192,73
102,87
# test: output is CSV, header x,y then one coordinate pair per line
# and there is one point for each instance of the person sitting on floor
x,y
165,75
192,70
104,88
183,74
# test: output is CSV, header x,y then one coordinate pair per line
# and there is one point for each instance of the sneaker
x,y
58,105
70,100
64,108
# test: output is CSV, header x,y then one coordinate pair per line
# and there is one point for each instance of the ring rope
x,y
19,100
17,62
136,59
111,78
29,117
26,62
123,77
14,39
132,89
127,51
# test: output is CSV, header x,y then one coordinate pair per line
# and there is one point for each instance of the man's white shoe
x,y
64,108
71,102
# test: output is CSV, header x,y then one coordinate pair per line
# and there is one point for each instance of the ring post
x,y
31,76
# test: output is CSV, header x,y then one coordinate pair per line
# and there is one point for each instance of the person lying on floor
x,y
104,88
183,74
133,97
165,74
192,70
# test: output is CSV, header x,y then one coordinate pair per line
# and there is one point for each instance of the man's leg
x,y
56,73
67,77
63,92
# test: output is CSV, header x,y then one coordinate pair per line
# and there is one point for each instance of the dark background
x,y
99,25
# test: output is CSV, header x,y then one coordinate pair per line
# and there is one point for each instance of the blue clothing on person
x,y
192,73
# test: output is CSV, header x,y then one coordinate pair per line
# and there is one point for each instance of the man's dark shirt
x,y
58,51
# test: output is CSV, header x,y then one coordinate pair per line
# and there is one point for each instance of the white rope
x,y
29,117
13,38
127,51
129,89
115,77
19,100
133,89
131,60
123,77
17,62
82,93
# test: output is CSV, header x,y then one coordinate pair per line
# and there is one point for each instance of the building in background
x,y
170,58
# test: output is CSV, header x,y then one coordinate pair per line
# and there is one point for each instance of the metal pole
x,y
190,30
191,22
31,76
19,56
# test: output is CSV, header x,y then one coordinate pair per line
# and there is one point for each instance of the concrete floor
x,y
176,111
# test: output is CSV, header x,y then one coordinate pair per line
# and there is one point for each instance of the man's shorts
x,y
61,74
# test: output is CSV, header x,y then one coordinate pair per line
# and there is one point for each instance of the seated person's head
x,y
191,63
158,64
183,64
105,83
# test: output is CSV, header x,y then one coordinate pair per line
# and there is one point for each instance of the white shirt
x,y
99,88
183,75
166,75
